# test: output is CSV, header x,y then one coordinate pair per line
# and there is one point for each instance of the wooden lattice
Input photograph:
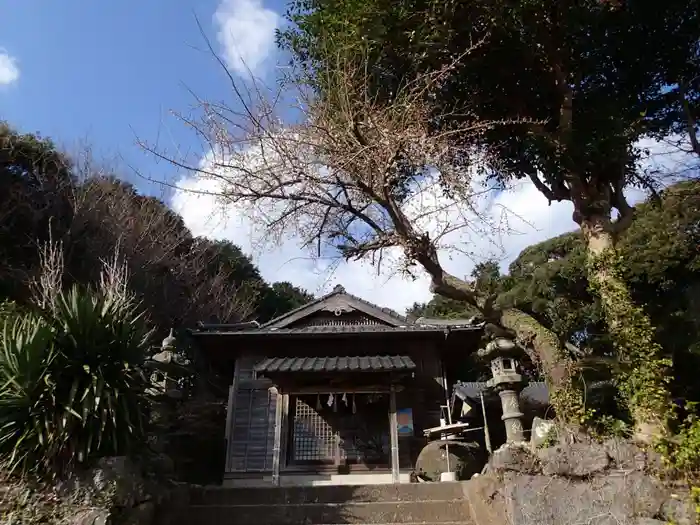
x,y
338,435
313,439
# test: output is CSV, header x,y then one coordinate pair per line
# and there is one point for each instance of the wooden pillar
x,y
230,415
394,433
285,432
277,447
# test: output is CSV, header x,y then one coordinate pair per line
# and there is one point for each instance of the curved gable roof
x,y
337,299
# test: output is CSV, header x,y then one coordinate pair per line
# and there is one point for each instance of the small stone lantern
x,y
507,381
169,343
166,356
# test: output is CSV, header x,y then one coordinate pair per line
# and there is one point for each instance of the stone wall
x,y
114,491
577,481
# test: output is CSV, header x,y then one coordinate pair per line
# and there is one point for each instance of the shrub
x,y
681,451
72,381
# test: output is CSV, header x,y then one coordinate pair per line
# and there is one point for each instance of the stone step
x,y
327,494
437,512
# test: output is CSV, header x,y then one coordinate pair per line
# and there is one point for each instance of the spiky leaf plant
x,y
73,382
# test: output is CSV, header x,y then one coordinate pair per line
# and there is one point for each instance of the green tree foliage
x,y
486,277
661,265
282,297
540,60
566,98
36,196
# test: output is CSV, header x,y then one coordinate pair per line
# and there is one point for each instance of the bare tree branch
x,y
361,178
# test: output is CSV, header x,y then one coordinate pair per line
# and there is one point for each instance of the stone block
x,y
625,455
465,458
91,517
142,514
573,459
515,458
542,431
605,500
679,509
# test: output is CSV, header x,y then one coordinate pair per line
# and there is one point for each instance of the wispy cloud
x,y
9,70
246,33
530,219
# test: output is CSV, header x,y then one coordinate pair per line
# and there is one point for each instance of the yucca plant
x,y
72,381
27,430
101,341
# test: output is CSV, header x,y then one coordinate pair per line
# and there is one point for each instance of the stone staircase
x,y
414,504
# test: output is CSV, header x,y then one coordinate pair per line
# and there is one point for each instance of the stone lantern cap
x,y
500,347
503,354
168,350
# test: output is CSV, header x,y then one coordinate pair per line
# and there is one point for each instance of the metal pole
x,y
487,436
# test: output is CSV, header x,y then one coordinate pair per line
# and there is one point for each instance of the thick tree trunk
x,y
549,352
646,385
543,346
565,396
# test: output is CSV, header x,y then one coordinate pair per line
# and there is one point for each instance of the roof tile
x,y
336,364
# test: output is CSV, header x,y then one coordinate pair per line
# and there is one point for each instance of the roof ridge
x,y
382,308
337,290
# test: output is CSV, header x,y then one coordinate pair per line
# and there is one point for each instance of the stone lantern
x,y
169,343
166,356
508,382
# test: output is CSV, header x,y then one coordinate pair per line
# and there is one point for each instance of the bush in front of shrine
x,y
72,382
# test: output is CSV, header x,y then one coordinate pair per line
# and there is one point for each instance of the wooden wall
x,y
252,422
252,418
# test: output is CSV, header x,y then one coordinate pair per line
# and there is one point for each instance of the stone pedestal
x,y
512,416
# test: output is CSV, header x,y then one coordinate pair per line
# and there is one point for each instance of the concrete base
x,y
316,480
384,504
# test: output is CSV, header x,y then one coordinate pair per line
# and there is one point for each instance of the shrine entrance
x,y
340,431
387,376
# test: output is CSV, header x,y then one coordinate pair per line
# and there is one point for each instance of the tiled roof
x,y
336,364
346,329
330,329
389,322
435,321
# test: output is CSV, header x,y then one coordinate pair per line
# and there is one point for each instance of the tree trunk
x,y
543,346
565,396
645,386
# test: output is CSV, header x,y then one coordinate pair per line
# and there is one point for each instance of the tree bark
x,y
543,345
645,386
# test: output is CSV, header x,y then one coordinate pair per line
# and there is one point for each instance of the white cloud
x,y
246,33
521,217
9,70
284,260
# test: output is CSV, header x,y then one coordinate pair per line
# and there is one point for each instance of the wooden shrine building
x,y
336,391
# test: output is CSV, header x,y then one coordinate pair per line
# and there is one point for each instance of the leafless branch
x,y
354,175
49,282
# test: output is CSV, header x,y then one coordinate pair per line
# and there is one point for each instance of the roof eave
x,y
444,331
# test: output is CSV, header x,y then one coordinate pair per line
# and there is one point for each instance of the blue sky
x,y
108,72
